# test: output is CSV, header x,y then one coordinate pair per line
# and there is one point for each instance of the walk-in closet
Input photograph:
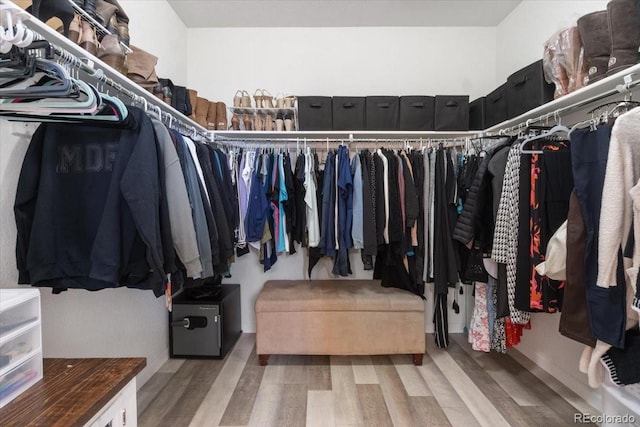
x,y
319,213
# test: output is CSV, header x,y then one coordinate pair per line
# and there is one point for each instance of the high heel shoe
x,y
267,99
47,9
268,123
245,101
289,100
257,123
237,98
288,123
279,123
89,41
258,98
235,122
279,101
75,28
247,122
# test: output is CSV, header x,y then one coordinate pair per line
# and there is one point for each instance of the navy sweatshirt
x,y
87,207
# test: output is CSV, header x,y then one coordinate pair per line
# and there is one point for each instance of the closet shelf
x,y
595,92
262,111
340,135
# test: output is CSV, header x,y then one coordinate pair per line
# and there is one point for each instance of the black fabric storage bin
x,y
416,112
477,114
348,113
527,89
496,105
314,113
382,112
452,112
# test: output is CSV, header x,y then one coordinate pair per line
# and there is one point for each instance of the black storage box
x,y
477,114
314,113
348,113
452,112
416,112
205,327
496,105
527,89
382,112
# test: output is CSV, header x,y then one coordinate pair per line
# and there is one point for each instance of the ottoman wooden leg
x,y
264,359
417,359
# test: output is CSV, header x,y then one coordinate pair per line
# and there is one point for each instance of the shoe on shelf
x,y
212,115
235,122
237,98
267,99
75,28
90,8
47,9
245,101
288,123
268,123
257,122
193,100
246,120
111,53
221,116
279,100
279,123
289,100
202,109
258,98
104,12
88,40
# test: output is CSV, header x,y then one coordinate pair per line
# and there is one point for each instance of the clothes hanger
x,y
553,131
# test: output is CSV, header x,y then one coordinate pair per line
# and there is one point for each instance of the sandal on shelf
x,y
289,100
279,101
235,122
245,101
257,123
279,123
268,123
267,99
258,98
237,98
288,123
246,120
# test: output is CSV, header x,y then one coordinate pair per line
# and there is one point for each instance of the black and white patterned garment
x,y
499,336
505,239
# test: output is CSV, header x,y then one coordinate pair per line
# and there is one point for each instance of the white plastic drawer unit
x,y
20,342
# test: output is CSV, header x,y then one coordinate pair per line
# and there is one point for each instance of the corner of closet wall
x,y
520,39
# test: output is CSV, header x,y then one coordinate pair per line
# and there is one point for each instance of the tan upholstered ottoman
x,y
338,317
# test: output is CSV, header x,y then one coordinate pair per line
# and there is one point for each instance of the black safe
x,y
205,327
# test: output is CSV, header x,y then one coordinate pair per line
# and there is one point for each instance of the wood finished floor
x,y
454,387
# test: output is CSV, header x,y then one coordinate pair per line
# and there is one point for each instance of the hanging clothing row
x,y
106,191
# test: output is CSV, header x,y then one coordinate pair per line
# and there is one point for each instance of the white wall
x,y
114,322
520,38
342,61
155,27
521,35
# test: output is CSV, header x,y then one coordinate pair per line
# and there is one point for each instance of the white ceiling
x,y
341,13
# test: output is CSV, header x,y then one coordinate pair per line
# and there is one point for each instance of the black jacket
x,y
85,196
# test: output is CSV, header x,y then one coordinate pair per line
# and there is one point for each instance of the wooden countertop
x,y
71,391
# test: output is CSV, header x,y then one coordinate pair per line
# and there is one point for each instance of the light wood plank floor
x,y
454,387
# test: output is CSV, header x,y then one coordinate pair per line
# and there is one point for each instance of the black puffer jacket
x,y
463,231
